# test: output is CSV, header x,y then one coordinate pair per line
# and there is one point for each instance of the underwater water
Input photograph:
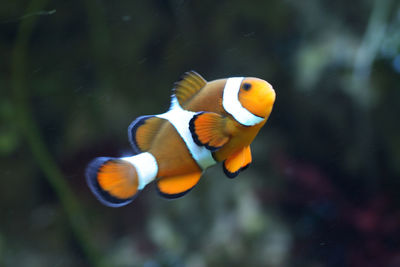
x,y
322,189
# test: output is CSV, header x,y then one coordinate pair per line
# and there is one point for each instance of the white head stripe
x,y
146,167
232,105
180,119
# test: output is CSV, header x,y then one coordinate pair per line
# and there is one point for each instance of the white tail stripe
x,y
180,119
232,105
146,167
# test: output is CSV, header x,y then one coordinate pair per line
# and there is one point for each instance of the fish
x,y
207,123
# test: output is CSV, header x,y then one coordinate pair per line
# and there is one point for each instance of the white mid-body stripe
x,y
180,119
232,105
146,167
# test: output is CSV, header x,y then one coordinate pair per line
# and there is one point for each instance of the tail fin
x,y
117,181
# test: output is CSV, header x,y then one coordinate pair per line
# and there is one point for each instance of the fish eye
x,y
246,86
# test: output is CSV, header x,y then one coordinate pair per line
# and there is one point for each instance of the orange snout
x,y
257,96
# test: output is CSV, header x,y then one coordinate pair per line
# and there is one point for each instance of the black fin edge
x,y
103,196
132,131
187,73
183,77
196,137
199,79
232,175
173,196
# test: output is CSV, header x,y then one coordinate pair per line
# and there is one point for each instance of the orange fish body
x,y
208,122
209,99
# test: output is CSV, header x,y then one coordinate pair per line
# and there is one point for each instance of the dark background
x,y
323,189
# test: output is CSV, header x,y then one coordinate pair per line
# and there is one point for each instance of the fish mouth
x,y
262,105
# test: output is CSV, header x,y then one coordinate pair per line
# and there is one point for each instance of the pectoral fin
x,y
209,129
237,162
177,186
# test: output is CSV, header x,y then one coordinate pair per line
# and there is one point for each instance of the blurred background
x,y
323,186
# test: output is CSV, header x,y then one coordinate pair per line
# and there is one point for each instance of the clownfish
x,y
207,122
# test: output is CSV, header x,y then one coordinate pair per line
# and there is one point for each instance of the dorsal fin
x,y
142,131
189,84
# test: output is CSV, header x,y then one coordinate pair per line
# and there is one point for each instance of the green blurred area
x,y
323,186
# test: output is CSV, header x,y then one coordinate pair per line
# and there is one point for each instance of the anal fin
x,y
142,131
177,186
237,162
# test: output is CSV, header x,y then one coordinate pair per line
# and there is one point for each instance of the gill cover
x,y
232,105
